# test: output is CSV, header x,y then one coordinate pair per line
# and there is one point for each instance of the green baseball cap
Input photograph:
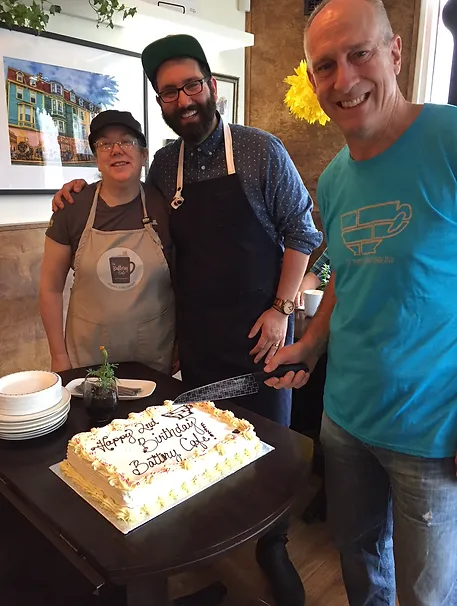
x,y
170,47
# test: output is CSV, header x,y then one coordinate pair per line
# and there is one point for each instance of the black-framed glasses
x,y
107,146
191,88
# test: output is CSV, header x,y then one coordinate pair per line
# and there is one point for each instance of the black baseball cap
x,y
170,47
113,117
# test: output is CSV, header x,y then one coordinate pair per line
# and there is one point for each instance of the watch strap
x,y
279,305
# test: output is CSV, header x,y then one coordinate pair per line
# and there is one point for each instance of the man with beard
x,y
240,220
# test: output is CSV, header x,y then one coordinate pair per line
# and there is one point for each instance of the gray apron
x,y
121,297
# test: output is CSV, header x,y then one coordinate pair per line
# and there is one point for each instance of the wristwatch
x,y
285,306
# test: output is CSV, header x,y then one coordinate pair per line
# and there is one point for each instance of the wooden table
x,y
236,509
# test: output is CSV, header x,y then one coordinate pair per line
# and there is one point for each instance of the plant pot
x,y
101,402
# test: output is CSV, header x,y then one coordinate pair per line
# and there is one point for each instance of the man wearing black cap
x,y
240,219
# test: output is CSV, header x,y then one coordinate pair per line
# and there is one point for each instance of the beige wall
x,y
278,29
22,340
23,344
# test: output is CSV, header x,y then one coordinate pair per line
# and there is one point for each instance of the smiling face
x,y
191,117
354,68
120,164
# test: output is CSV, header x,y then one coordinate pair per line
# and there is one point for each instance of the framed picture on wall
x,y
227,92
52,87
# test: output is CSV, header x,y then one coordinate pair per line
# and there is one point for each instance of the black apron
x,y
227,273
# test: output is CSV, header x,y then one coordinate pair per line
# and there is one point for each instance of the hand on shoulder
x,y
64,194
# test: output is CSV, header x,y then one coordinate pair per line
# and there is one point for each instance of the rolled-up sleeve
x,y
288,200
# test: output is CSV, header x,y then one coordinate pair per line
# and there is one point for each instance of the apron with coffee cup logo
x,y
121,297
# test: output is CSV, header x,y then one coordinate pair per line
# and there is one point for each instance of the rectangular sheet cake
x,y
138,466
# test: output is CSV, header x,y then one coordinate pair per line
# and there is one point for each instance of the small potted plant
x,y
325,275
100,391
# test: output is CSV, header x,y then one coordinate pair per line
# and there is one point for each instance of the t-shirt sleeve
x,y
58,227
67,224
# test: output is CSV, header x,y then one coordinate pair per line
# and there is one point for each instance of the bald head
x,y
353,63
377,5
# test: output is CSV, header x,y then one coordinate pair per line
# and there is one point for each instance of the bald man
x,y
388,202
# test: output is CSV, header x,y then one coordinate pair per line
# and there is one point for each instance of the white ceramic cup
x,y
312,301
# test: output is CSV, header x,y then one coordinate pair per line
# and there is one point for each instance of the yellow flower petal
x,y
301,98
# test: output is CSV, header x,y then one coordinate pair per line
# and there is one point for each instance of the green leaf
x,y
36,16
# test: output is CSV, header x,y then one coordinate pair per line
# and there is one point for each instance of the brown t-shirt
x,y
67,225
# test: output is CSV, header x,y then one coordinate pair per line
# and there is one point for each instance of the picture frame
x,y
52,87
227,92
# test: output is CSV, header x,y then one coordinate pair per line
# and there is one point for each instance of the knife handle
x,y
282,369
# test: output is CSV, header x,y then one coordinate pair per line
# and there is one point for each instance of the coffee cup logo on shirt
x,y
120,268
363,230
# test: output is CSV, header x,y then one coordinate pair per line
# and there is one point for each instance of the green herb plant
x,y
105,375
325,276
35,15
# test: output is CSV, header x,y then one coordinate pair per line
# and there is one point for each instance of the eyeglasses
x,y
191,88
107,146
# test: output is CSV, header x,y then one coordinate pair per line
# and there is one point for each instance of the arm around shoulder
x,y
64,194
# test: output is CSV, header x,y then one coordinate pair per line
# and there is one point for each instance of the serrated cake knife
x,y
234,387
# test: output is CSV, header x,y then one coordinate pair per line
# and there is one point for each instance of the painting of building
x,y
50,109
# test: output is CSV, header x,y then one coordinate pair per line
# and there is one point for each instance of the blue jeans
x,y
394,520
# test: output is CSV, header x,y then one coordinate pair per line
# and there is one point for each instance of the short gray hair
x,y
379,8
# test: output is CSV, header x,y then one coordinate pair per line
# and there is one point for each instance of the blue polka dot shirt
x,y
268,176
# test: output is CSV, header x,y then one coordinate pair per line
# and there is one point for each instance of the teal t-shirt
x,y
391,225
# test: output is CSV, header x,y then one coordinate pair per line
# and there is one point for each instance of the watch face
x,y
289,307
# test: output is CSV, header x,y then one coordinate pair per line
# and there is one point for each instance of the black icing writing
x,y
151,443
181,412
199,437
141,467
208,431
106,443
149,426
194,442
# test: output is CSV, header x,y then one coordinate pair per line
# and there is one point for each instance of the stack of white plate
x,y
33,403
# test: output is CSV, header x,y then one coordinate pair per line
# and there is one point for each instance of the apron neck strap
x,y
229,150
228,144
178,199
93,208
143,202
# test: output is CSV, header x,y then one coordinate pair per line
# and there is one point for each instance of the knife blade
x,y
243,385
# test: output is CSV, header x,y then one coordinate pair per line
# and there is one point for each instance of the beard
x,y
195,132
